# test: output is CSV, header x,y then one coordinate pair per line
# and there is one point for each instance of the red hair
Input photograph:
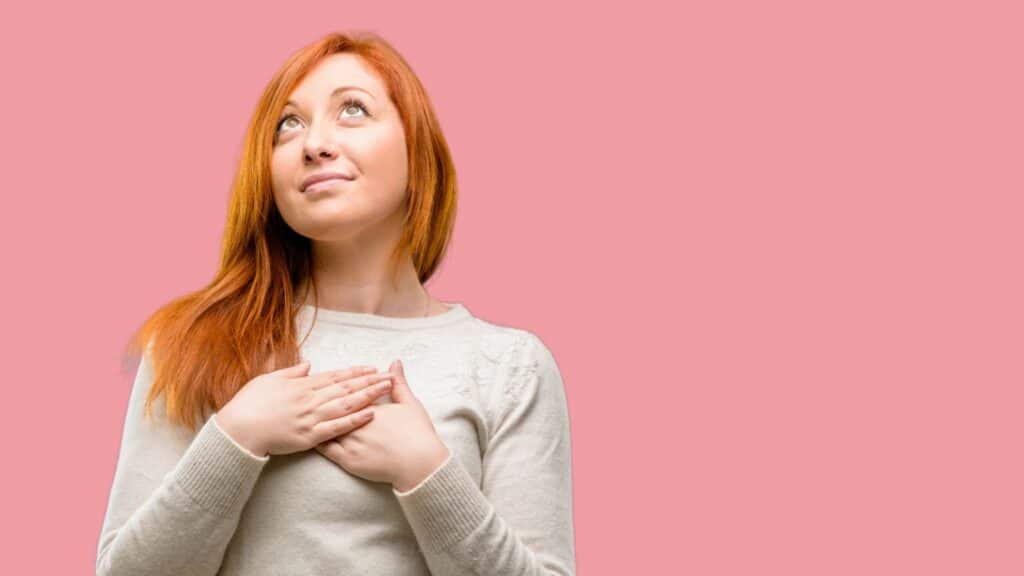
x,y
204,346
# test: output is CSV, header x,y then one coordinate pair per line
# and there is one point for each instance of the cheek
x,y
282,177
277,175
387,162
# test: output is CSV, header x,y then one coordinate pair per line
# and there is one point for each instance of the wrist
x,y
424,468
240,436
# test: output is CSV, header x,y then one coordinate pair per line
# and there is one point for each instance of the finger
x,y
333,450
328,429
401,393
349,403
323,379
350,386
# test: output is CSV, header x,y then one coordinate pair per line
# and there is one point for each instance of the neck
x,y
407,297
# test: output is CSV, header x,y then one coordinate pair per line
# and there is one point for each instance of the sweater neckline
x,y
456,311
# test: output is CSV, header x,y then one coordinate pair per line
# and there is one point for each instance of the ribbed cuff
x,y
217,472
445,507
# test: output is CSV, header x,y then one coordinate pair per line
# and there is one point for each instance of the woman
x,y
238,459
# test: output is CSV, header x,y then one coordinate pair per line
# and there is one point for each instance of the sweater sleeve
x,y
176,496
520,521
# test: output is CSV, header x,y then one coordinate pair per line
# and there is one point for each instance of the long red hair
x,y
204,346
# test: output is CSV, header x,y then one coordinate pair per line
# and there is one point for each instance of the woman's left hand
x,y
399,445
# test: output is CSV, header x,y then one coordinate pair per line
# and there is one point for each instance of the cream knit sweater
x,y
200,504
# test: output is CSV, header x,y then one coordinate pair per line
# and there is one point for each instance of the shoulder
x,y
511,346
514,363
519,378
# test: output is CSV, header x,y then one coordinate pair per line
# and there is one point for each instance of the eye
x,y
353,102
350,102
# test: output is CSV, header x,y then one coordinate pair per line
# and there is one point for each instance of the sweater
x,y
198,503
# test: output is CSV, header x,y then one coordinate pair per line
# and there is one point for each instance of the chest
x,y
308,486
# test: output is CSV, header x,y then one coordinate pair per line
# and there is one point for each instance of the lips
x,y
321,177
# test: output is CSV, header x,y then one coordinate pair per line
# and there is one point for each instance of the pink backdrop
x,y
775,248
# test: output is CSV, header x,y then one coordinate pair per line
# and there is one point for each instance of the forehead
x,y
333,71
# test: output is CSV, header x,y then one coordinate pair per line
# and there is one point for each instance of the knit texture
x,y
198,503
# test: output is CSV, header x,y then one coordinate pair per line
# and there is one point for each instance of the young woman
x,y
237,458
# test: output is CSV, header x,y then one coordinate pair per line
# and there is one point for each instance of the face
x,y
353,131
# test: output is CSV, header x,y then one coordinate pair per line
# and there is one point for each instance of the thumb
x,y
400,391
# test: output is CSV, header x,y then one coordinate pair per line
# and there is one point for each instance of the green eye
x,y
354,102
350,102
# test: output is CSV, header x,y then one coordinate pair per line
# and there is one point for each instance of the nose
x,y
319,144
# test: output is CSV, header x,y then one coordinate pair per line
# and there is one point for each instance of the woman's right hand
x,y
288,411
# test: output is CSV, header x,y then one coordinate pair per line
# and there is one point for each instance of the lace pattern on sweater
x,y
505,364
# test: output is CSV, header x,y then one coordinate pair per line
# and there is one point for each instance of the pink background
x,y
775,248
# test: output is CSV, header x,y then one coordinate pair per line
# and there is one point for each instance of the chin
x,y
330,227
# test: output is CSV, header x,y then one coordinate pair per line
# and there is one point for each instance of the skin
x,y
399,445
353,227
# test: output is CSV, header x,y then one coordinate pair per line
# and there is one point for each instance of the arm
x,y
176,496
519,523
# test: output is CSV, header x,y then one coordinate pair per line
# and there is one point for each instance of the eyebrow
x,y
334,94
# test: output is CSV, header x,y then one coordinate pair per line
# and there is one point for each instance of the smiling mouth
x,y
324,184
